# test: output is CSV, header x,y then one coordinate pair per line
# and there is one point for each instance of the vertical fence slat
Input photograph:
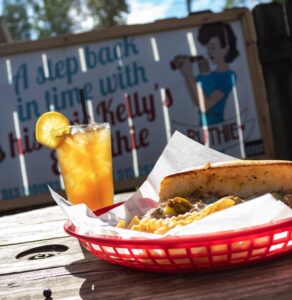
x,y
288,6
274,45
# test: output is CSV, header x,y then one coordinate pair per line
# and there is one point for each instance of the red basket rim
x,y
70,229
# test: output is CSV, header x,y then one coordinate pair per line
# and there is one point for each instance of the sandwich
x,y
188,196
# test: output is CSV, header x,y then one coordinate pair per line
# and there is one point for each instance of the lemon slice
x,y
50,127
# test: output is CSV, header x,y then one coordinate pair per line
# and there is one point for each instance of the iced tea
x,y
85,160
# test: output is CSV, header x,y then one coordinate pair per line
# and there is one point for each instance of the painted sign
x,y
194,79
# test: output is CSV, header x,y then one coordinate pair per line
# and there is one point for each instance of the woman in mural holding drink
x,y
210,89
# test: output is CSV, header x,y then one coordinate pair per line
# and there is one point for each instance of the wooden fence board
x,y
275,52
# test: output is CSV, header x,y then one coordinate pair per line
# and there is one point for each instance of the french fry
x,y
161,226
121,224
134,221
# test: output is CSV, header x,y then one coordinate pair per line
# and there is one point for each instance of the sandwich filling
x,y
178,205
180,211
197,202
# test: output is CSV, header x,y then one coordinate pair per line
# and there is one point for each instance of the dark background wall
x,y
273,24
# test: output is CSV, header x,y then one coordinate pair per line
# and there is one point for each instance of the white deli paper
x,y
181,153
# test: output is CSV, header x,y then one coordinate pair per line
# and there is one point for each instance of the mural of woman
x,y
210,89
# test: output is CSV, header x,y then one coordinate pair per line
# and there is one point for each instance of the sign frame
x,y
238,14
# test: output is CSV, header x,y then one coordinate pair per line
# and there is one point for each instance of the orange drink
x,y
84,155
85,160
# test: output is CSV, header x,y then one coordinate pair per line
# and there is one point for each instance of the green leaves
x,y
16,18
33,19
107,13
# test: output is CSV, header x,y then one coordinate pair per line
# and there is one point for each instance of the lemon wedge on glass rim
x,y
50,127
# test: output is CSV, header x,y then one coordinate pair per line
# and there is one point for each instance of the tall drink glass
x,y
85,160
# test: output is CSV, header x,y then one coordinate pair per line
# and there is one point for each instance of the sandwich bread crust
x,y
244,179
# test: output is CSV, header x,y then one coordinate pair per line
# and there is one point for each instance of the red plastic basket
x,y
192,253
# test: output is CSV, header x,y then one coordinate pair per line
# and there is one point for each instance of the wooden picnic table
x,y
73,273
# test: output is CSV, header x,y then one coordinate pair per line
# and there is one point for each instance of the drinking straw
x,y
165,114
20,154
83,105
132,136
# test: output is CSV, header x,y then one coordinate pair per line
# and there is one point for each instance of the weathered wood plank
x,y
273,40
288,12
44,223
42,215
76,274
36,216
257,81
89,281
31,233
9,262
269,21
278,79
275,48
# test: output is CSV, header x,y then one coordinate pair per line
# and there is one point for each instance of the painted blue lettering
x,y
129,47
66,98
26,111
122,79
90,58
105,56
118,51
71,68
41,78
21,77
60,69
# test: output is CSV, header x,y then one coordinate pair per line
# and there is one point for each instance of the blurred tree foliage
x,y
16,18
45,18
234,3
107,13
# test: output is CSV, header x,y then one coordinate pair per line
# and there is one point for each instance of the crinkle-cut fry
x,y
121,224
162,230
135,221
161,226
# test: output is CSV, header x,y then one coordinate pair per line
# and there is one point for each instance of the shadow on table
x,y
103,280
